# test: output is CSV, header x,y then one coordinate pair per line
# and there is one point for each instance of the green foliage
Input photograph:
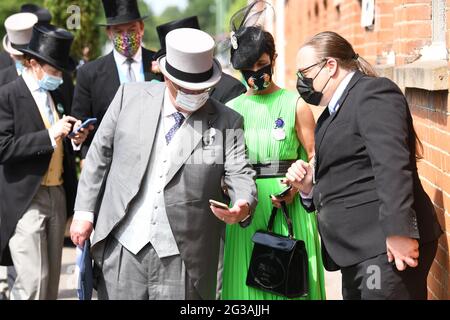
x,y
235,6
86,32
8,8
206,12
92,35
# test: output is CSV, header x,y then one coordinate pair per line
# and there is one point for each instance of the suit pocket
x,y
360,199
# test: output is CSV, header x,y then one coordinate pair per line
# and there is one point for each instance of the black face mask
x,y
305,88
260,79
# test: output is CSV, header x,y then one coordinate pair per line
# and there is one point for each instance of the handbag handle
x,y
286,217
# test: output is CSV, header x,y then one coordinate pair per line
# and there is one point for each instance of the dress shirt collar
x,y
169,108
121,59
30,81
333,106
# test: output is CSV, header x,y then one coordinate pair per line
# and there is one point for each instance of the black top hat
x,y
164,29
51,45
121,11
44,16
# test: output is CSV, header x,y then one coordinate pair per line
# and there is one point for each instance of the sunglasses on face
x,y
301,72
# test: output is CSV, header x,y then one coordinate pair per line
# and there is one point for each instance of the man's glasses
x,y
301,73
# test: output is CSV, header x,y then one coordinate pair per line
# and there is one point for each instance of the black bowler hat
x,y
44,16
164,29
51,45
121,11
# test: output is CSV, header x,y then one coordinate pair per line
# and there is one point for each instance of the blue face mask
x,y
19,67
50,83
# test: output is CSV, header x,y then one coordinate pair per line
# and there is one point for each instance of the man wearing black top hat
x,y
9,69
44,17
37,168
98,81
228,87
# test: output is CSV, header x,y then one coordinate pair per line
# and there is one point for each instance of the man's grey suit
x,y
118,158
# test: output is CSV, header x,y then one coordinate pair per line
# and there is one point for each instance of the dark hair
x,y
269,45
252,42
329,44
28,57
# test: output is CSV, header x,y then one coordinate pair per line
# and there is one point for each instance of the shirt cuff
x,y
52,139
308,196
75,147
84,216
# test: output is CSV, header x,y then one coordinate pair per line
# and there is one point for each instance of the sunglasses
x,y
301,73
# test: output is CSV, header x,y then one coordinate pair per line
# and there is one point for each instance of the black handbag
x,y
279,264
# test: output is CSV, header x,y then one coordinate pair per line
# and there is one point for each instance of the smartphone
x,y
218,204
283,193
84,125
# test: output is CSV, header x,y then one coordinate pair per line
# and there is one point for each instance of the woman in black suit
x,y
378,225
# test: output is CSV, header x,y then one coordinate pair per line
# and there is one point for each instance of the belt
x,y
272,169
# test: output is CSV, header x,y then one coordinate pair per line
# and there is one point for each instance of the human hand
x,y
237,213
403,251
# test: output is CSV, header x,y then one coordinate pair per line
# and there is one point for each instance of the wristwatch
x,y
246,221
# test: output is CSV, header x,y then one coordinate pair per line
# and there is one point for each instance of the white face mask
x,y
191,102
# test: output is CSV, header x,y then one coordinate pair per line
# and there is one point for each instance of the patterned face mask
x,y
127,43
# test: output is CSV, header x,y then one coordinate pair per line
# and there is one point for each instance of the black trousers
x,y
377,279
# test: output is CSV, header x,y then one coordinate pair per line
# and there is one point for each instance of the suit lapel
x,y
111,80
150,110
325,124
58,101
27,101
192,135
147,58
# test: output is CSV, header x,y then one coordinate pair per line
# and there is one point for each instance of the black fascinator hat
x,y
247,34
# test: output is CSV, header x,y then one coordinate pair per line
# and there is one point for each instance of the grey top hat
x,y
190,61
19,29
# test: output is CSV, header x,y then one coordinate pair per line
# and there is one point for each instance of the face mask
x,y
191,102
305,88
258,80
127,43
50,83
19,67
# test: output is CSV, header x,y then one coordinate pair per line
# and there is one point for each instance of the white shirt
x,y
41,97
333,106
136,66
168,110
168,123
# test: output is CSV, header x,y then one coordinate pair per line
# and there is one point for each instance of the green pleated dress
x,y
260,114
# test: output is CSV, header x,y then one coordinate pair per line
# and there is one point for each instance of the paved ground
x,y
67,284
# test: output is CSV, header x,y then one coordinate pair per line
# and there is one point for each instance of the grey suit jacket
x,y
119,155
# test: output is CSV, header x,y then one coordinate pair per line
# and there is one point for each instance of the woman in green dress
x,y
279,128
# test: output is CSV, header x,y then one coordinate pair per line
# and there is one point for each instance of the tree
x,y
8,8
80,18
235,6
205,10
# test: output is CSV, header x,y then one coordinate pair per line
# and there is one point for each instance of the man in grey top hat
x,y
157,159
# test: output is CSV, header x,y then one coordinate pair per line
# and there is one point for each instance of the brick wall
x,y
401,29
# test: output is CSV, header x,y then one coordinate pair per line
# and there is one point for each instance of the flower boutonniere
x,y
278,131
60,108
155,68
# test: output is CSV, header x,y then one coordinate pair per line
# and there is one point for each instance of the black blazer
x,y
97,84
227,89
25,153
5,60
66,89
367,186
